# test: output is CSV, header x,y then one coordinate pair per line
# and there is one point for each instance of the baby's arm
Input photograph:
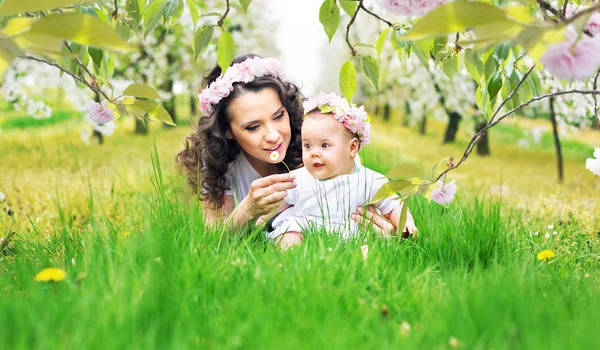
x,y
394,217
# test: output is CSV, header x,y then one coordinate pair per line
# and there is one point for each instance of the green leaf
x,y
403,218
82,29
403,171
381,41
211,14
152,15
97,55
13,7
501,52
348,80
371,69
349,6
451,65
193,11
202,38
226,51
422,48
155,110
8,52
490,67
454,17
494,85
329,16
397,42
123,30
390,188
473,64
133,10
245,4
170,9
440,162
141,90
536,85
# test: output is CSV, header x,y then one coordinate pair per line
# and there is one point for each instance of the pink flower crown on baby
x,y
243,72
352,117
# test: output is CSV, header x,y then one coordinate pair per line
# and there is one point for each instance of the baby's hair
x,y
316,114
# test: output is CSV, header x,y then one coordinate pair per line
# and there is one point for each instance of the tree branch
x,y
77,78
595,86
361,6
481,132
352,49
581,13
512,93
222,19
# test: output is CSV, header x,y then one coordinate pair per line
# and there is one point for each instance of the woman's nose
x,y
272,134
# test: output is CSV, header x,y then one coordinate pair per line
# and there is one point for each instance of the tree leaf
x,y
170,9
13,7
397,42
97,55
403,171
389,189
348,80
141,90
494,85
82,29
371,69
349,6
193,11
402,222
473,64
245,4
226,51
202,38
8,52
451,65
422,49
152,15
134,10
155,110
329,16
381,42
454,17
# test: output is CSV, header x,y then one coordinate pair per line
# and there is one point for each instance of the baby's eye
x,y
306,146
325,145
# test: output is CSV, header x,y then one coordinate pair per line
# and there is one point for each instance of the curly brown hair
x,y
208,151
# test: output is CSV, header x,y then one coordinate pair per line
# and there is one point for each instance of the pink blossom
x,y
573,61
444,193
593,164
593,24
409,7
100,114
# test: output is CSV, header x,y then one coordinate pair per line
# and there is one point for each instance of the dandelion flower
x,y
405,328
274,155
593,164
545,255
444,193
50,274
453,341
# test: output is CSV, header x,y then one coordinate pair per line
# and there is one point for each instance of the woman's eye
x,y
252,128
279,116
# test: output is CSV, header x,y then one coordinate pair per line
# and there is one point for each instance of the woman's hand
x,y
382,225
266,194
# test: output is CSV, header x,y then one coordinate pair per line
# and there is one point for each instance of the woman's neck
x,y
261,167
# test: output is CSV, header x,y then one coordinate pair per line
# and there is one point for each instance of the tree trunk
x,y
483,145
452,129
387,111
95,133
193,105
407,112
423,126
377,109
141,127
559,158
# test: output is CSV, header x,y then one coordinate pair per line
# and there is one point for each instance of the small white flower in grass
x,y
547,235
444,193
405,328
593,164
86,135
2,197
365,251
274,155
453,341
550,227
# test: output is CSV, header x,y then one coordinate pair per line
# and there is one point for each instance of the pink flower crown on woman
x,y
353,118
243,72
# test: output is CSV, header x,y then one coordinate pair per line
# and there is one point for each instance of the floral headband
x,y
353,118
243,72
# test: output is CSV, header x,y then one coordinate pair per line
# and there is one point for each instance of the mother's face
x,y
260,124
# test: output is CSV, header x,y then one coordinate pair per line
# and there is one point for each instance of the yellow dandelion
x,y
50,274
274,155
545,255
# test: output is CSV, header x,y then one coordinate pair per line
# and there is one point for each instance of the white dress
x,y
329,203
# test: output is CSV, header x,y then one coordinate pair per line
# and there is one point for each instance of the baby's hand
x,y
410,229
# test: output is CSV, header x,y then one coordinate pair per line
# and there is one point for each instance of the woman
x,y
248,114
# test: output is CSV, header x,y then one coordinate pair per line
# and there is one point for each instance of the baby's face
x,y
327,151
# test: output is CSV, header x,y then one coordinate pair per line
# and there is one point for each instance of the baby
x,y
331,185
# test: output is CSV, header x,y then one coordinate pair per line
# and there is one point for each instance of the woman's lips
x,y
273,149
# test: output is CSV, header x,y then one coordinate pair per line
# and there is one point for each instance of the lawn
x,y
143,271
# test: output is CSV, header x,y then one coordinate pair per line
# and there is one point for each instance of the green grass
x,y
143,271
26,121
